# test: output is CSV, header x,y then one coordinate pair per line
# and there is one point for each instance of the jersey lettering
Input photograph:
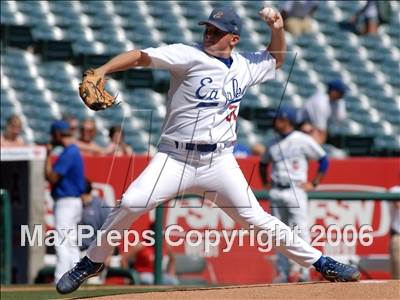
x,y
204,93
237,93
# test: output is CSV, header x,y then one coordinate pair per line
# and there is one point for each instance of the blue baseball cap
x,y
225,19
59,126
287,112
337,85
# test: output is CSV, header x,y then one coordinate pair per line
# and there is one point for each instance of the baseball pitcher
x,y
208,82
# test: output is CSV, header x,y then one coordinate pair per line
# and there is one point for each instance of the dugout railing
x,y
263,195
5,238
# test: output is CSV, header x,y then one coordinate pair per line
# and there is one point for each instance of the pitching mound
x,y
315,290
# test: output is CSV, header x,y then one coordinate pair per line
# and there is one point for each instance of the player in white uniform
x,y
194,155
289,153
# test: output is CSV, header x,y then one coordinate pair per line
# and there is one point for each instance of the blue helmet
x,y
337,85
287,112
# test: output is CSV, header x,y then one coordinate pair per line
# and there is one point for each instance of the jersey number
x,y
231,115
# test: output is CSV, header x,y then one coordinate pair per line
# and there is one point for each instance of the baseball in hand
x,y
267,13
271,17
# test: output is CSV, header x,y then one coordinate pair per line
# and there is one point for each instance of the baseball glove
x,y
93,93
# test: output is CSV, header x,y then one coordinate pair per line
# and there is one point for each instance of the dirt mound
x,y
313,290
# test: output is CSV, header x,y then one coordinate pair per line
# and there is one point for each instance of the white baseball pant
x,y
290,205
216,175
67,215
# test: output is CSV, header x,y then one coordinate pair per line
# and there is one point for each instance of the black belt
x,y
198,147
280,185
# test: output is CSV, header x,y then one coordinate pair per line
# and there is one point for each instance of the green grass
x,y
47,292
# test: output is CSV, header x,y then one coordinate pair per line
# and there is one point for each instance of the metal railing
x,y
350,196
5,238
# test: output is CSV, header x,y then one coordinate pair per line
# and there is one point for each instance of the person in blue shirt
x,y
241,151
67,181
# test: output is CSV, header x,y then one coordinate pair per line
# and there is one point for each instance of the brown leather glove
x,y
93,93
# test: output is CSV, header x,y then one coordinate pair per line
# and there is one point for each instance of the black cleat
x,y
73,279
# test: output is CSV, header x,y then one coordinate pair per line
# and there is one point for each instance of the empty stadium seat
x,y
89,33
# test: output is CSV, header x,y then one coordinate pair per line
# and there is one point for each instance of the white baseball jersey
x,y
203,102
204,94
318,110
290,155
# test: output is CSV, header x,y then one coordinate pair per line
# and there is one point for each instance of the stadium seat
x,y
90,33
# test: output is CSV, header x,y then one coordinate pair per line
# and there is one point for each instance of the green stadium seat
x,y
96,43
388,144
7,110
